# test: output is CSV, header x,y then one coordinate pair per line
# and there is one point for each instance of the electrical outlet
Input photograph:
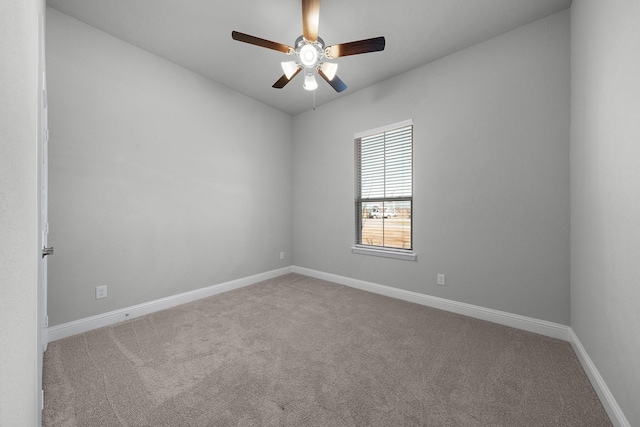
x,y
101,291
441,280
281,255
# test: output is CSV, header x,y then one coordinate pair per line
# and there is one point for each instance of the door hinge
x,y
46,321
46,135
47,251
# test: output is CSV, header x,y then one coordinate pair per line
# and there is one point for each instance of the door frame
x,y
43,224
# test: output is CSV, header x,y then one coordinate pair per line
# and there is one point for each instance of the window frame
x,y
383,251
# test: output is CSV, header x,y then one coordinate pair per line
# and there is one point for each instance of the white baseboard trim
x,y
542,327
606,397
83,325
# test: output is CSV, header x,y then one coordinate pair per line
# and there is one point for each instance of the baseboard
x,y
542,327
606,397
83,325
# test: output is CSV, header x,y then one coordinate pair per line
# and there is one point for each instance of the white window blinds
x,y
385,164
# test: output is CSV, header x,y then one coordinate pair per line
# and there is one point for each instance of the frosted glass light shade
x,y
308,55
329,69
289,68
310,82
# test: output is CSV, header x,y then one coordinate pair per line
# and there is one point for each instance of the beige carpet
x,y
298,351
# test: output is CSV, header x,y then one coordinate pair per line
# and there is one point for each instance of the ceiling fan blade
x,y
335,83
257,41
310,19
282,81
355,48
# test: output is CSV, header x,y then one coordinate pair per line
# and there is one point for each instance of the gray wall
x,y
161,181
605,192
18,211
491,168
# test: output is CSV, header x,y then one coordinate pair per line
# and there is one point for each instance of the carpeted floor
x,y
298,351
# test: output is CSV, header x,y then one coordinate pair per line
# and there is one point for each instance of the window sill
x,y
385,253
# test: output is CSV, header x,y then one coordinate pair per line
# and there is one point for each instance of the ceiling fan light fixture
x,y
289,68
308,55
310,50
310,82
329,69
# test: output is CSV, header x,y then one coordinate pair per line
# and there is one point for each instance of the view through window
x,y
384,187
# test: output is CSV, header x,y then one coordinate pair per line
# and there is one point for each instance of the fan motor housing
x,y
309,53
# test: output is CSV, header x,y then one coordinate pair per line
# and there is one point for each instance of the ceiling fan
x,y
310,50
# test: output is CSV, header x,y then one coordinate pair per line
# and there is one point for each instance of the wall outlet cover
x,y
101,291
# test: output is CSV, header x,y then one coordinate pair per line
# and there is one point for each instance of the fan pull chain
x,y
314,100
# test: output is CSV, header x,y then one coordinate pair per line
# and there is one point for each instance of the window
x,y
384,191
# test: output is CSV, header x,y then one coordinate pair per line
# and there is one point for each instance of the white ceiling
x,y
196,34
